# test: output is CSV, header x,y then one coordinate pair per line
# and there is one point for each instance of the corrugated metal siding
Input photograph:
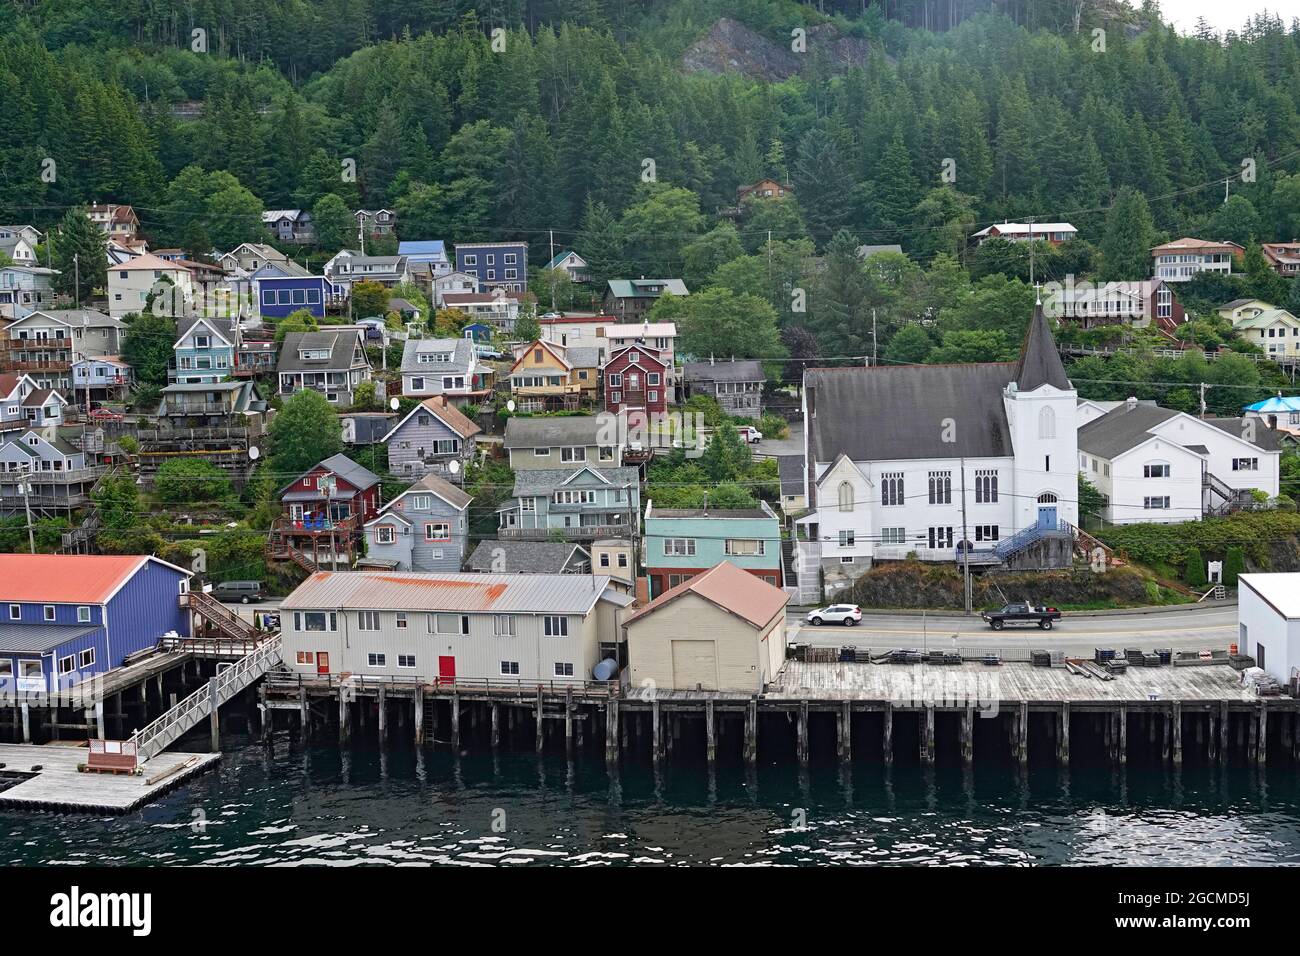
x,y
145,609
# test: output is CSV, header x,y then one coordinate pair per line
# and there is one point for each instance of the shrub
x,y
1194,575
189,480
1233,565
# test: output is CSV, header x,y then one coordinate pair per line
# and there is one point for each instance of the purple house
x,y
65,617
496,265
278,296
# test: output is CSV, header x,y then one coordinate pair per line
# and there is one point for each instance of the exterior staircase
x,y
1229,499
278,548
229,624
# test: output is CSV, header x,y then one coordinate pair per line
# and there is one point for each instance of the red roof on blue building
x,y
68,578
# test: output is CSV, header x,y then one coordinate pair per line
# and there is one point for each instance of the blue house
x,y
497,265
478,332
278,296
66,617
204,352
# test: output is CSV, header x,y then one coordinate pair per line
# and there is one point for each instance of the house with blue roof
x,y
426,256
67,617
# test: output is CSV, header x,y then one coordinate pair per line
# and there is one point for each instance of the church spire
x,y
1040,363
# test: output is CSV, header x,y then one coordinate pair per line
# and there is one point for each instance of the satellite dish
x,y
510,405
254,453
453,467
394,404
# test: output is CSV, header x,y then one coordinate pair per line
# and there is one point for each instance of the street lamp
x,y
25,489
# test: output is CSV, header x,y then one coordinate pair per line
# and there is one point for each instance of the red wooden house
x,y
635,379
324,511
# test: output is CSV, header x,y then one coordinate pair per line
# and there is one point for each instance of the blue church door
x,y
1047,517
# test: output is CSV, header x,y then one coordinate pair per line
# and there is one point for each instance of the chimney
x,y
1130,403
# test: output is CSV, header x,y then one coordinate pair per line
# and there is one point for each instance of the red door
x,y
322,662
446,670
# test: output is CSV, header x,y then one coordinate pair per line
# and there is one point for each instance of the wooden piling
x,y
27,722
383,718
927,736
844,730
968,736
802,733
568,719
1123,735
99,718
496,724
887,734
1261,748
1063,735
541,721
656,731
418,716
751,732
611,734
455,721
214,716
1022,733
1176,722
710,732
345,718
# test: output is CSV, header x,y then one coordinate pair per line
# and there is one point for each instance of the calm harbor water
x,y
319,806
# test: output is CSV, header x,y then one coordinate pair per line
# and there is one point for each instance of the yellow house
x,y
1238,310
723,629
1275,331
542,378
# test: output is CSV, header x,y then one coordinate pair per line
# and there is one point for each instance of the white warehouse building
x,y
1268,612
451,627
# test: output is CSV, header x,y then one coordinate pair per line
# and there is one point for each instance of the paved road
x,y
792,444
1213,627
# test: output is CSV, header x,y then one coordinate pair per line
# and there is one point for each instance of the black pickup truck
x,y
1021,614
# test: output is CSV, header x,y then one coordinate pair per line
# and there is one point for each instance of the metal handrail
x,y
155,737
445,685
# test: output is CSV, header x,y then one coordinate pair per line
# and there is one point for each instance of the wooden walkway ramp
x,y
157,736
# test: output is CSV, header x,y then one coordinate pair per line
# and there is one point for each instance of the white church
x,y
932,461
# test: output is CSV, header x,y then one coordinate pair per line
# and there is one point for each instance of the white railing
x,y
154,738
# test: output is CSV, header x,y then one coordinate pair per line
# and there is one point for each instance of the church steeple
x,y
1040,364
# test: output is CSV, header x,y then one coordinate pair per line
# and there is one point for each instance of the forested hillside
x,y
581,125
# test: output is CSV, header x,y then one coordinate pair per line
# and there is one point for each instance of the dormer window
x,y
313,355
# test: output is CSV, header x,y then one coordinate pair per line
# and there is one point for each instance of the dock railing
x,y
155,737
283,682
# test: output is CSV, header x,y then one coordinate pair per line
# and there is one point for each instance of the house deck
x,y
59,785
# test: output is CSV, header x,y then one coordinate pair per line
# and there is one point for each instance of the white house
x,y
130,283
892,452
1268,621
1159,465
656,335
1053,232
455,283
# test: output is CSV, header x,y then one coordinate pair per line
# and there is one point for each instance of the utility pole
x,y
1031,250
873,337
76,281
26,488
1203,388
965,542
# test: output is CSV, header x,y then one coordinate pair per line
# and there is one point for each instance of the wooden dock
x,y
50,780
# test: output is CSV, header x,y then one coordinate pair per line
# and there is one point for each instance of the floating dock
x,y
46,778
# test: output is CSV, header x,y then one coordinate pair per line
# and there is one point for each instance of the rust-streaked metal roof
x,y
431,591
67,578
745,595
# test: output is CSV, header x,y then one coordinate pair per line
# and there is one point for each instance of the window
x,y
893,536
679,547
941,537
891,488
15,612
1245,464
421,502
86,658
1158,503
449,623
367,620
1155,471
555,626
503,625
847,538
846,496
986,532
385,534
573,454
510,668
986,486
615,380
49,612
315,621
622,560
541,453
437,531
401,619
746,546
376,660
1047,498
406,660
941,487
604,559
305,657
67,664
563,669
606,453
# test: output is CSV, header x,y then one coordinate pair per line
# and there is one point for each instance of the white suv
x,y
750,434
846,614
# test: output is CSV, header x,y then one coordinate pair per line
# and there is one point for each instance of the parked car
x,y
485,352
1021,614
105,415
846,614
242,591
750,434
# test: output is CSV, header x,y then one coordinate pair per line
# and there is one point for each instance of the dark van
x,y
241,591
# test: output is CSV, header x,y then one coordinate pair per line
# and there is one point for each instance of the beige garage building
x,y
723,629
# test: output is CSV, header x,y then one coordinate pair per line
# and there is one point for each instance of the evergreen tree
x,y
79,252
1129,237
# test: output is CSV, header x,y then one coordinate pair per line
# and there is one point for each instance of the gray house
x,y
425,528
55,469
529,557
447,367
563,443
572,505
333,362
434,437
737,385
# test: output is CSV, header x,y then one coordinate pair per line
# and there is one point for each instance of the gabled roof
x,y
70,578
1040,363
150,262
745,370
1264,438
1187,244
358,476
462,355
448,414
737,592
1023,228
557,352
1122,428
422,247
523,557
433,485
790,469
448,591
560,257
220,327
546,432
530,482
646,288
342,347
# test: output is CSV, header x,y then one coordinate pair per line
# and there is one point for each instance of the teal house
x,y
681,543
